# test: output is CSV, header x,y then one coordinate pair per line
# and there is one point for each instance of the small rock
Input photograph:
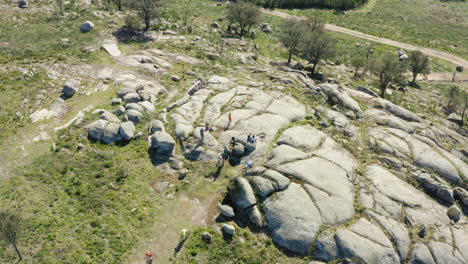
x,y
169,32
266,28
454,213
228,230
213,56
80,146
324,123
226,210
206,237
423,231
87,26
22,4
404,57
162,186
70,88
214,25
176,164
182,174
156,125
191,73
138,135
175,78
116,101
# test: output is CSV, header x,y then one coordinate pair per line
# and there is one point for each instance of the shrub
x,y
132,23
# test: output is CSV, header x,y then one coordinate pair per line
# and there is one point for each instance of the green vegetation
x,y
245,15
18,92
433,24
388,70
42,37
337,4
245,247
82,207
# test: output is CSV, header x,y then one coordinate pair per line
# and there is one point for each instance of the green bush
x,y
132,23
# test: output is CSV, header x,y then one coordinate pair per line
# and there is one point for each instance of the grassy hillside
x,y
99,205
430,23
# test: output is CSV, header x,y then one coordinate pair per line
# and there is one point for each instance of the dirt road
x,y
431,52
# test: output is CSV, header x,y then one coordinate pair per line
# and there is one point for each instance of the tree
x,y
292,31
316,44
245,14
60,6
357,62
453,95
10,229
419,63
119,4
147,9
187,11
388,69
459,68
465,106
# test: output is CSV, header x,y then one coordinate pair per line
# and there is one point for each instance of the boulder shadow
x,y
157,158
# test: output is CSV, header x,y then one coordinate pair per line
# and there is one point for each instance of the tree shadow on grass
x,y
123,35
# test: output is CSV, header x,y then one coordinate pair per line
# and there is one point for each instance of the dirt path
x,y
431,52
183,212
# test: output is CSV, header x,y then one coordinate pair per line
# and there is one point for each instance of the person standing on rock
x,y
253,139
183,234
202,135
149,258
249,138
229,121
233,142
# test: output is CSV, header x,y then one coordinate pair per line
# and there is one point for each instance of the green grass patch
x,y
245,247
433,24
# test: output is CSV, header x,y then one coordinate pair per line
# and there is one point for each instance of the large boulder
x,y
134,116
241,194
366,242
461,195
421,255
327,184
96,129
435,187
106,115
111,47
131,98
87,26
111,133
127,130
162,143
395,110
301,137
293,219
397,231
425,156
335,94
367,91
